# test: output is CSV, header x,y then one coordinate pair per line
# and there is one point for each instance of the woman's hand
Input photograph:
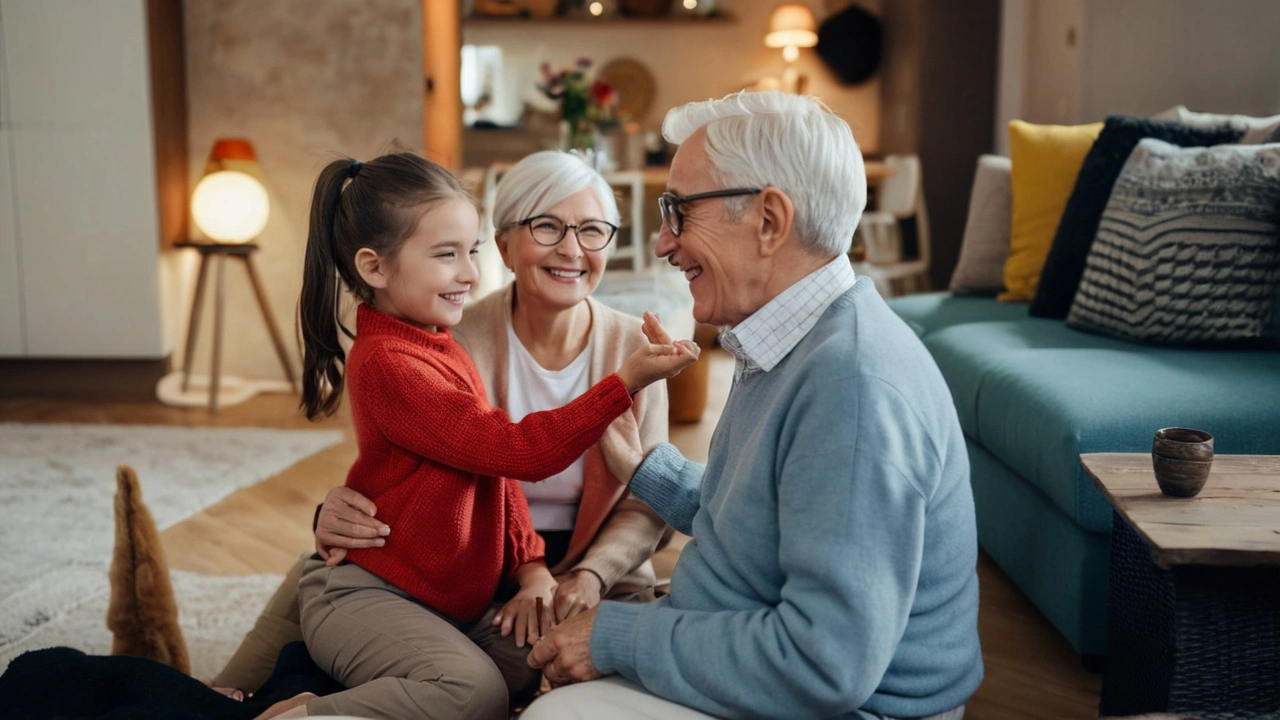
x,y
346,520
579,591
520,613
659,360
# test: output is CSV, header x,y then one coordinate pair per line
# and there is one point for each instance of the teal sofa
x,y
1033,394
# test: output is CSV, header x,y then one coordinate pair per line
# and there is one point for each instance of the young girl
x,y
408,627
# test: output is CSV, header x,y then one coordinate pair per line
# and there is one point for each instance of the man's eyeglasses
x,y
669,205
548,230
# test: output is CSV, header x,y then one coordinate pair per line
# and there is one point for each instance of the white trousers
x,y
617,698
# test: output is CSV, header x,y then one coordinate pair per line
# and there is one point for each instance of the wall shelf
x,y
611,21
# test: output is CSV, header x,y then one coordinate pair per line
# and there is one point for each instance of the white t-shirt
x,y
553,503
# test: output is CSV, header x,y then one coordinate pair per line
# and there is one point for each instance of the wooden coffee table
x,y
1194,599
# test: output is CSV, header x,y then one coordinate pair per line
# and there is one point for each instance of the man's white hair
x,y
792,142
541,180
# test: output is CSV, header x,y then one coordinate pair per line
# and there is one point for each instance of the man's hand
x,y
564,654
347,521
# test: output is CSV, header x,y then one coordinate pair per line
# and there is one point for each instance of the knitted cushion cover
x,y
1188,248
1065,263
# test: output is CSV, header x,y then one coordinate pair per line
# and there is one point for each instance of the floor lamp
x,y
230,207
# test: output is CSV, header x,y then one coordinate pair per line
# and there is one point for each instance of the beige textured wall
x,y
303,81
689,61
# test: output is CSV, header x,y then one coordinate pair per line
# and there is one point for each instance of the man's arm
x,y
851,529
671,485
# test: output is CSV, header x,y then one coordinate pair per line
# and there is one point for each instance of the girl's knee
x,y
484,687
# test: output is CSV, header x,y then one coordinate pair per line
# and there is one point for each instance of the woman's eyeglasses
x,y
549,230
669,205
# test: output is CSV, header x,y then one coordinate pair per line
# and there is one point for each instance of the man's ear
x,y
373,268
777,214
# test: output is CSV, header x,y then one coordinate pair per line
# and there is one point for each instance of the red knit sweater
x,y
431,453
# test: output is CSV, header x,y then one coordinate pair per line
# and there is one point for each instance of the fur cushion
x,y
143,613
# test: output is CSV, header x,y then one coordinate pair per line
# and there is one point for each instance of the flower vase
x,y
578,136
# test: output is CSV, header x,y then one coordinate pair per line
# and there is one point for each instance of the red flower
x,y
603,93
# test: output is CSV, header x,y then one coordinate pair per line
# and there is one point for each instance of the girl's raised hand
x,y
659,360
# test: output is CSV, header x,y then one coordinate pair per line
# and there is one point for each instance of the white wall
x,y
1136,57
1143,56
304,82
689,61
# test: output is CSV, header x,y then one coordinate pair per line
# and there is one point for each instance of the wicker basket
x,y
1195,640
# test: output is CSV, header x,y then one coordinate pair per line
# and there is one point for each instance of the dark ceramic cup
x,y
1181,458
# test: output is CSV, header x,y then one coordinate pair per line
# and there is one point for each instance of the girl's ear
x,y
373,268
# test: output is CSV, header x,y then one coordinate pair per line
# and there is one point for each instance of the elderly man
x,y
833,567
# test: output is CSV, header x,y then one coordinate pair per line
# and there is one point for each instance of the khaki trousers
x,y
617,698
402,659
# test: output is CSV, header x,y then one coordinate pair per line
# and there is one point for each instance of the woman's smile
x,y
565,275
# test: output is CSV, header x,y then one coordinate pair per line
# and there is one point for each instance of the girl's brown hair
x,y
373,205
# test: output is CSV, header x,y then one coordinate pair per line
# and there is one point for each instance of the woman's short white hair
x,y
541,180
792,142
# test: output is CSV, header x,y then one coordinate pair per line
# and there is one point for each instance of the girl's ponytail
x,y
323,358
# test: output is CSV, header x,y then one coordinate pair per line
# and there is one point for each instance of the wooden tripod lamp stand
x,y
230,207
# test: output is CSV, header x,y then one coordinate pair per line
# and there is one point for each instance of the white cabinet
x,y
11,337
83,247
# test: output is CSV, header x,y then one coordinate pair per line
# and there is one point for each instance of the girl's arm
x,y
422,409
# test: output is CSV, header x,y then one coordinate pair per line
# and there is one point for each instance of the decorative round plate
x,y
635,86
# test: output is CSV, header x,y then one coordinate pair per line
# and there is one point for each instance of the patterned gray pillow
x,y
1188,250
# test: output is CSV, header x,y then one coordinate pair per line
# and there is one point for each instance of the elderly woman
x,y
538,343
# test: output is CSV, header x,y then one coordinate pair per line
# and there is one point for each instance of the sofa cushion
x,y
1046,160
985,244
1256,129
1037,394
1120,135
1188,248
927,312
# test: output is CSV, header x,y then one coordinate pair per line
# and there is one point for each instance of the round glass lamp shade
x,y
230,206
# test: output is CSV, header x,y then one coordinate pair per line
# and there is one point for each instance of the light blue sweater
x,y
833,565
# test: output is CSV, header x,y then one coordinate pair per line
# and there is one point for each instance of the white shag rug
x,y
57,487
215,614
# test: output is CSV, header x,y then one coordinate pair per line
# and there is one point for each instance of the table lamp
x,y
230,203
791,27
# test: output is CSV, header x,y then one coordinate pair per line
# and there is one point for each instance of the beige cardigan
x,y
615,534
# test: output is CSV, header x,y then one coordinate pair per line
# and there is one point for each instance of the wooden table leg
x,y
220,301
276,339
193,325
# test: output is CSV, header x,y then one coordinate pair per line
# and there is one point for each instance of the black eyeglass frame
x,y
669,204
564,230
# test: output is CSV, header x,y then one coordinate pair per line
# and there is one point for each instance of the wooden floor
x,y
1031,671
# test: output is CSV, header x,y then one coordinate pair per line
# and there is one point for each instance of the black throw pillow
x,y
1079,225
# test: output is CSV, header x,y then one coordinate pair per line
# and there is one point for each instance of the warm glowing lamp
x,y
230,207
230,203
791,27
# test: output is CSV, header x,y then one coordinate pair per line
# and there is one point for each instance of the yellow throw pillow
x,y
1046,160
